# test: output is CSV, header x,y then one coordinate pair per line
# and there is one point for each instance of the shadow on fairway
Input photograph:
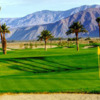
x,y
30,64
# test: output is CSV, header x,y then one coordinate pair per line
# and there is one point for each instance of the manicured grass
x,y
55,70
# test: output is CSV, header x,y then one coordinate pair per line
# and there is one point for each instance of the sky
x,y
21,8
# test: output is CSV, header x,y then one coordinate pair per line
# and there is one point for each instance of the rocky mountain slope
x,y
58,29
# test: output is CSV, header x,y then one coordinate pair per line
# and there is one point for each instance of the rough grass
x,y
55,70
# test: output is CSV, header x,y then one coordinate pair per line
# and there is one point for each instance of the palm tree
x,y
45,35
5,30
98,21
76,28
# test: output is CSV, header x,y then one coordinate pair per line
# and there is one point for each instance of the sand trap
x,y
62,96
18,47
86,47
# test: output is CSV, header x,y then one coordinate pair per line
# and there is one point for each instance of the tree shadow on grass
x,y
50,65
33,68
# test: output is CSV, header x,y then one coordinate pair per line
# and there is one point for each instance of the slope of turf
x,y
55,70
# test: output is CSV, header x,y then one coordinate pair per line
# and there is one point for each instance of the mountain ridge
x,y
44,17
87,18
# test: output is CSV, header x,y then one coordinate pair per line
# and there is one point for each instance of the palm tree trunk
x,y
77,42
1,37
2,40
4,44
45,45
1,34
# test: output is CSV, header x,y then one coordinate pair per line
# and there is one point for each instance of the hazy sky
x,y
19,8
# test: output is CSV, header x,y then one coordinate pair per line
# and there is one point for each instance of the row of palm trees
x,y
76,28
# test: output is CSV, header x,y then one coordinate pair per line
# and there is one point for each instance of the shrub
x,y
21,46
91,42
73,39
95,44
69,39
36,45
26,46
62,44
31,46
88,38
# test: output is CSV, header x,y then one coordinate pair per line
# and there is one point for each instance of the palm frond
x,y
5,29
69,32
40,37
45,34
76,27
98,20
84,30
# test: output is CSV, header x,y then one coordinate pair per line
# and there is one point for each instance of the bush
x,y
71,46
36,45
95,44
69,39
21,46
88,38
62,44
31,46
73,39
91,42
26,46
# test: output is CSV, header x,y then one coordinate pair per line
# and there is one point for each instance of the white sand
x,y
62,96
86,47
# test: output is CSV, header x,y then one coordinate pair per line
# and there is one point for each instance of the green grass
x,y
55,70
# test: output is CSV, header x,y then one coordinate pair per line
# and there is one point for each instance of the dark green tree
x,y
45,35
76,28
5,30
